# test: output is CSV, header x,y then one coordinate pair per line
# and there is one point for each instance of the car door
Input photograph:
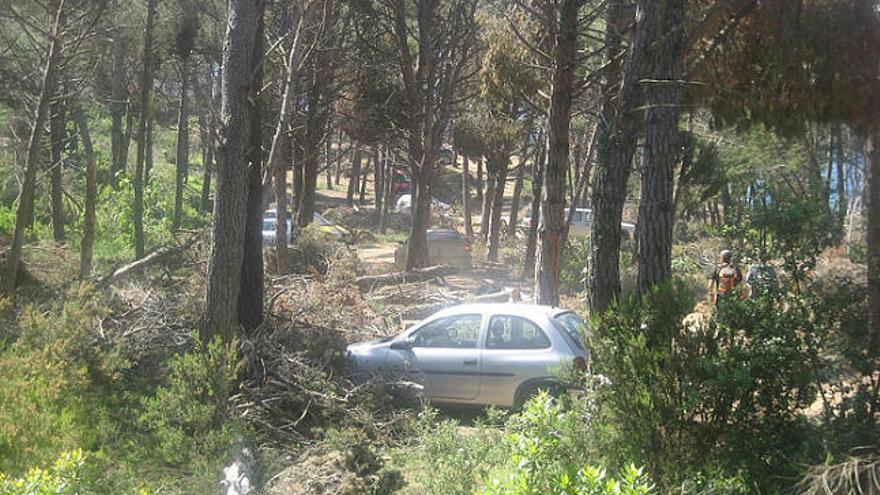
x,y
515,350
445,357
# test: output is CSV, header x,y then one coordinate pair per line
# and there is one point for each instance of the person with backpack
x,y
724,279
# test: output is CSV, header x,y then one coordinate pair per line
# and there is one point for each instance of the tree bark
x,y
140,174
662,148
250,299
517,194
872,195
182,145
57,131
480,180
230,201
354,175
537,189
497,210
616,144
466,198
377,177
486,209
552,226
26,197
148,153
210,143
280,156
841,179
88,229
117,109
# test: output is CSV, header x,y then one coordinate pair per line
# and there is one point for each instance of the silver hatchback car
x,y
482,354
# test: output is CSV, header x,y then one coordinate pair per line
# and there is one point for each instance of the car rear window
x,y
513,332
574,326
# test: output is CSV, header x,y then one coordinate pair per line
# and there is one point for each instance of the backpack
x,y
728,278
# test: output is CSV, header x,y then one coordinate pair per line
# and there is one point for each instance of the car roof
x,y
515,309
436,235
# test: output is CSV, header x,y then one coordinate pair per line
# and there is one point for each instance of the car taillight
x,y
467,247
580,364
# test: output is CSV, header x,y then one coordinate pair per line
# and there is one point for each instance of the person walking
x,y
724,278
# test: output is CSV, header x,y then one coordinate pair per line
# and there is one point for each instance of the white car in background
x,y
580,224
404,205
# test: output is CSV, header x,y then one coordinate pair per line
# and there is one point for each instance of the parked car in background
x,y
404,205
482,354
327,227
445,247
580,224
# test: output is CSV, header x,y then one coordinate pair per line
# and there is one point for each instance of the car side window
x,y
513,332
457,332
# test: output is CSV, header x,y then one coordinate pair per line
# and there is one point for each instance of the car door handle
x,y
470,362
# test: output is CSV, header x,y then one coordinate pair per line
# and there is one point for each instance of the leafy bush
x,y
447,460
188,421
546,457
575,257
50,374
63,477
722,398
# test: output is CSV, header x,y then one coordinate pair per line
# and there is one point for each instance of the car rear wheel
x,y
554,390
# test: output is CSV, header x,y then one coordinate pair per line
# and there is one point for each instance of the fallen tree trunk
x,y
153,258
370,282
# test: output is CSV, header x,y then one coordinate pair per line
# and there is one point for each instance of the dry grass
x,y
855,476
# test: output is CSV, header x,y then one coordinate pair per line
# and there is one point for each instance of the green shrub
x,y
575,257
446,459
546,457
51,374
724,398
187,421
63,477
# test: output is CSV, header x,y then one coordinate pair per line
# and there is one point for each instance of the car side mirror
x,y
401,345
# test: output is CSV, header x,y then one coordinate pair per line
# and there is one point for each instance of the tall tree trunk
x,y
338,158
486,212
387,191
552,227
207,160
354,175
480,184
250,299
57,131
328,145
362,197
841,180
517,194
25,210
377,177
230,200
296,152
148,157
88,229
306,210
466,197
130,115
872,195
662,148
537,189
621,121
280,155
117,108
210,142
417,255
140,175
497,210
182,144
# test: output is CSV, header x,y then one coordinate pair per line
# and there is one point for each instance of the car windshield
x,y
574,326
268,224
